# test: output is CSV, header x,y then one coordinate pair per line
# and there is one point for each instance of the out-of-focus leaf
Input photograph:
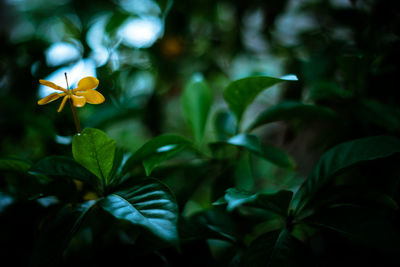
x,y
149,205
94,150
275,202
55,234
363,225
196,103
329,91
292,111
341,157
156,151
208,224
115,21
14,165
70,27
353,194
377,113
224,125
277,248
240,94
62,166
253,144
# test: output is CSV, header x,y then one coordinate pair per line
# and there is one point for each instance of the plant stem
x,y
73,109
76,118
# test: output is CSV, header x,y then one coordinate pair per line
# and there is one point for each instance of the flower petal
x,y
52,85
50,98
78,101
62,103
92,96
87,83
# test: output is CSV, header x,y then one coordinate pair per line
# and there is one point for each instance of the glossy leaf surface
x,y
148,204
240,94
94,150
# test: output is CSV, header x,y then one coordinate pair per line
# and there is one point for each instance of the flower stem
x,y
76,118
73,109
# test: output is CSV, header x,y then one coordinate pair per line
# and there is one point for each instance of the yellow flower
x,y
83,93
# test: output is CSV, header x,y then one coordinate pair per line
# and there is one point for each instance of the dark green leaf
x,y
14,165
341,157
156,151
277,248
147,204
291,111
116,21
208,224
116,171
94,150
62,166
241,93
196,103
373,112
224,125
329,91
253,144
362,225
55,234
275,202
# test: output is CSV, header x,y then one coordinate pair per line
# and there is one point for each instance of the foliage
x,y
260,133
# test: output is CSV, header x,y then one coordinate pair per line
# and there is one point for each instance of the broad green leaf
x,y
363,225
149,205
275,202
14,165
292,111
196,103
224,125
240,94
62,166
275,249
94,150
253,144
156,151
341,157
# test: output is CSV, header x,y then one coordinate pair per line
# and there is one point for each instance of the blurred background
x,y
345,53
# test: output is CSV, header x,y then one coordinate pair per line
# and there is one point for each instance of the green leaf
x,y
147,204
292,111
341,157
241,93
208,224
277,202
373,112
118,164
363,225
253,144
224,125
62,166
196,104
277,248
329,91
156,151
94,150
14,165
115,21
